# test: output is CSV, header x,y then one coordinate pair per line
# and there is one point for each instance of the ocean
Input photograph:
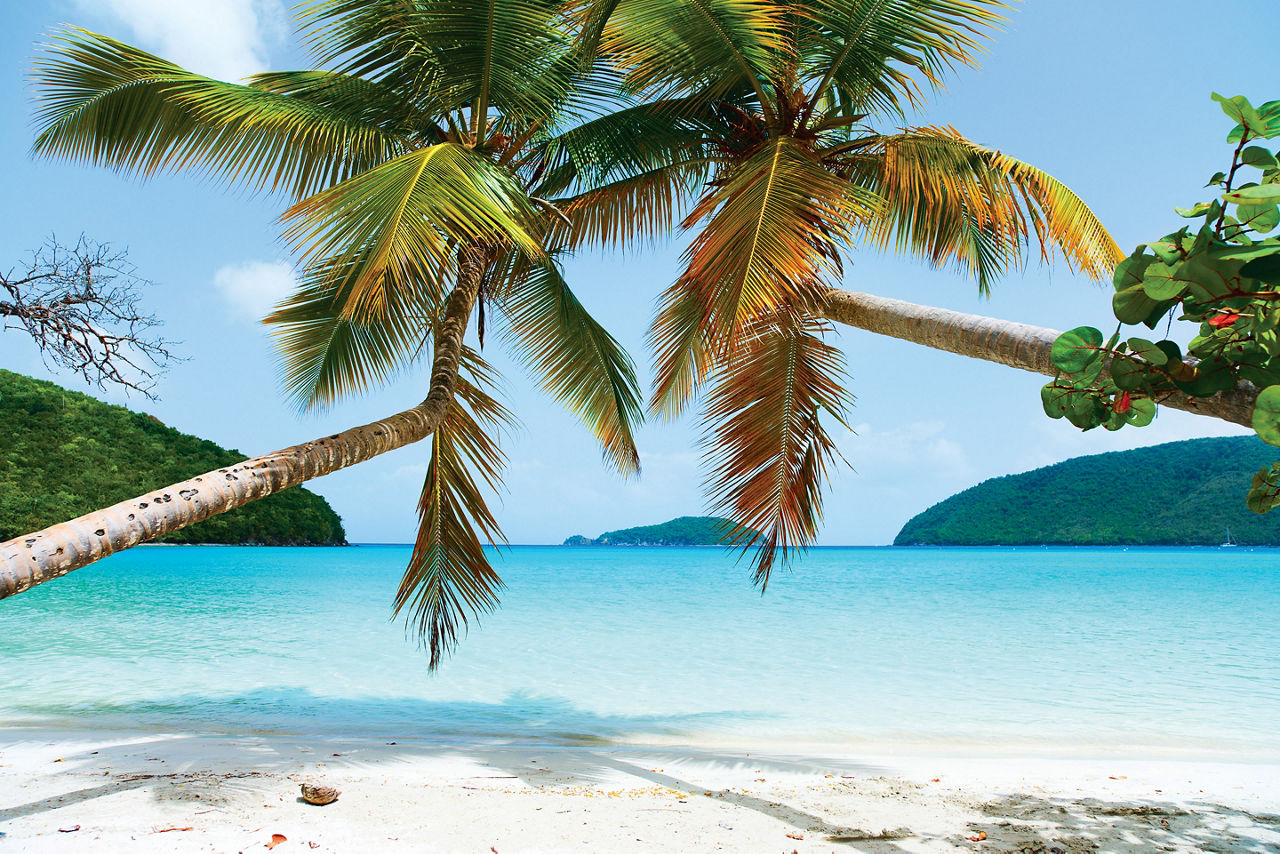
x,y
1068,651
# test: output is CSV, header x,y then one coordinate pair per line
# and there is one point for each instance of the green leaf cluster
x,y
63,454
1223,275
1190,495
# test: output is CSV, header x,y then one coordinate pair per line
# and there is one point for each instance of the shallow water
x,y
1159,651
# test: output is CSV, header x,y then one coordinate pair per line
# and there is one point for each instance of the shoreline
x,y
176,790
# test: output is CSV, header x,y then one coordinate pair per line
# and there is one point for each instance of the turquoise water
x,y
1062,650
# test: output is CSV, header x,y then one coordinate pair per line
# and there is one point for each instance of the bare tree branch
x,y
80,305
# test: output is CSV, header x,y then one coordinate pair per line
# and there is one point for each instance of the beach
x,y
650,700
173,792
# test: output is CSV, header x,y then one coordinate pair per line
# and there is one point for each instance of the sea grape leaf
x,y
1256,155
1266,415
1141,412
1147,350
1265,268
1261,218
1075,349
1258,194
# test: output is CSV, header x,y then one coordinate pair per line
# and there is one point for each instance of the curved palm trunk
x,y
1015,344
57,550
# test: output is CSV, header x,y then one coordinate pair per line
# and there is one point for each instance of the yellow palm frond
x,y
770,235
766,445
396,226
953,201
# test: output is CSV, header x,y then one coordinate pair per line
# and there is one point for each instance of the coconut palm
x,y
410,159
775,167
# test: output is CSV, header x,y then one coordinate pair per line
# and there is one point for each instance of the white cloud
x,y
254,287
916,444
226,39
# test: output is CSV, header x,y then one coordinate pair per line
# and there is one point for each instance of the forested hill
x,y
1180,493
63,454
685,531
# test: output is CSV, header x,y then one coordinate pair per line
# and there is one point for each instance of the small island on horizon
x,y
682,531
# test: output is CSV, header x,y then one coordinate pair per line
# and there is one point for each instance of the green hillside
x,y
685,531
63,454
1180,493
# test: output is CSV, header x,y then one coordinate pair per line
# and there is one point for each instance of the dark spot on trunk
x,y
100,532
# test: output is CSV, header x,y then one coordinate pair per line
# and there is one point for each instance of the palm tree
x,y
412,160
777,166
420,162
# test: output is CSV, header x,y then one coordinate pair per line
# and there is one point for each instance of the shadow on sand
x,y
249,742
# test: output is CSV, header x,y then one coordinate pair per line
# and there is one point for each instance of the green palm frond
x,y
327,355
704,49
621,145
449,580
875,54
451,54
771,235
950,200
577,361
766,446
373,102
107,103
396,226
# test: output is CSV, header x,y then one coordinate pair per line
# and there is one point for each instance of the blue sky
x,y
1111,97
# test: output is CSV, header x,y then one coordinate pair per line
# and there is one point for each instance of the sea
x,y
1062,651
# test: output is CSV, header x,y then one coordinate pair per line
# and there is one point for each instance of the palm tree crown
x,y
413,160
755,133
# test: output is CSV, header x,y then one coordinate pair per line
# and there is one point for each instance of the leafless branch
x,y
80,305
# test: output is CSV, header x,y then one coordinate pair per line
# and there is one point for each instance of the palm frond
x,y
876,54
623,213
449,55
680,338
395,227
449,580
327,355
620,145
950,200
766,446
700,48
577,361
104,102
771,237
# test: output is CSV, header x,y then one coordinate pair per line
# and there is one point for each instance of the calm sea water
x,y
1064,650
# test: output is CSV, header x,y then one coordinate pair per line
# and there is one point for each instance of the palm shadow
x,y
543,742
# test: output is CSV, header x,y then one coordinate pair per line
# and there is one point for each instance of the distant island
x,y
63,454
1177,494
684,531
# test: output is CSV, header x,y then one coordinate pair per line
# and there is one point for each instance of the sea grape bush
x,y
1223,275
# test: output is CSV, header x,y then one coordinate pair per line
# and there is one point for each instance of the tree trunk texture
x,y
1017,345
59,549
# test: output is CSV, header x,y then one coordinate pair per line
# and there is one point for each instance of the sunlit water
x,y
1063,650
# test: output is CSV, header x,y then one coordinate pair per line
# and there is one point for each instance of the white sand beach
x,y
63,791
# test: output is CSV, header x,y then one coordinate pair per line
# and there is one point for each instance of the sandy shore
x,y
108,792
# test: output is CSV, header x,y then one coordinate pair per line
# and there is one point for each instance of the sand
x,y
83,791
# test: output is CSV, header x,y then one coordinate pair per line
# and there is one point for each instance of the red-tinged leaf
x,y
1123,403
276,839
1221,320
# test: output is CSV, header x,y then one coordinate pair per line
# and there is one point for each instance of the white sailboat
x,y
1230,543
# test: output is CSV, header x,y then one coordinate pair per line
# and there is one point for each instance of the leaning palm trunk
x,y
1017,345
35,558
